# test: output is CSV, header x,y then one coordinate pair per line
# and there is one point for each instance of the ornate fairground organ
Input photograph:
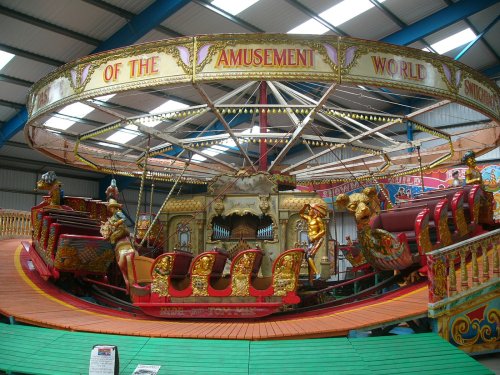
x,y
238,213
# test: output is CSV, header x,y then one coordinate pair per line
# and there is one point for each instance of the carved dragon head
x,y
47,181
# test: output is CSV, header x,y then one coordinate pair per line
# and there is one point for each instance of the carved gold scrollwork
x,y
286,274
439,270
161,273
444,229
424,240
461,223
201,272
241,275
466,332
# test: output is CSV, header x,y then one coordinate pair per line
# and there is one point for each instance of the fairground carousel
x,y
251,133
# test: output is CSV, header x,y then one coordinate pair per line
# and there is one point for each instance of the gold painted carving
x,y
424,239
286,274
161,274
463,328
219,205
461,223
241,274
183,205
444,229
439,270
201,272
296,204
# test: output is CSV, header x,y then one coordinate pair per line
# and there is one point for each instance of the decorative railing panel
x,y
444,265
14,223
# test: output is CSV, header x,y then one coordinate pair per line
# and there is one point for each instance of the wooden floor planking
x,y
28,302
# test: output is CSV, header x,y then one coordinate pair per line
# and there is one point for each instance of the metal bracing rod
x,y
303,98
241,90
345,142
201,168
177,142
164,203
141,190
225,124
479,36
303,161
383,136
428,108
233,93
329,166
178,124
283,102
301,127
137,147
90,103
295,93
299,95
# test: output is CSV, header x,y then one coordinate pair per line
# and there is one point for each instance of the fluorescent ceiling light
x,y
454,41
5,57
336,15
168,106
76,110
124,135
234,6
58,123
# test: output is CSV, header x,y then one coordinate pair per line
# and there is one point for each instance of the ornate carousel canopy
x,y
309,108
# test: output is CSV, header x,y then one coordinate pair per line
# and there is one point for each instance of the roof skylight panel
x,y
58,123
124,135
168,106
234,6
5,57
336,15
76,110
459,39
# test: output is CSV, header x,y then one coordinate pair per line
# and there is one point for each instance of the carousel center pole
x,y
263,127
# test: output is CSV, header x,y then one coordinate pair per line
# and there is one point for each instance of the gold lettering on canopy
x,y
399,68
481,95
265,57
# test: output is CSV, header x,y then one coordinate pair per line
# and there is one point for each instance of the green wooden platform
x,y
32,350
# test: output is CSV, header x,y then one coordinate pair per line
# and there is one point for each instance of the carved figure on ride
x,y
314,215
112,191
472,175
116,232
381,248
